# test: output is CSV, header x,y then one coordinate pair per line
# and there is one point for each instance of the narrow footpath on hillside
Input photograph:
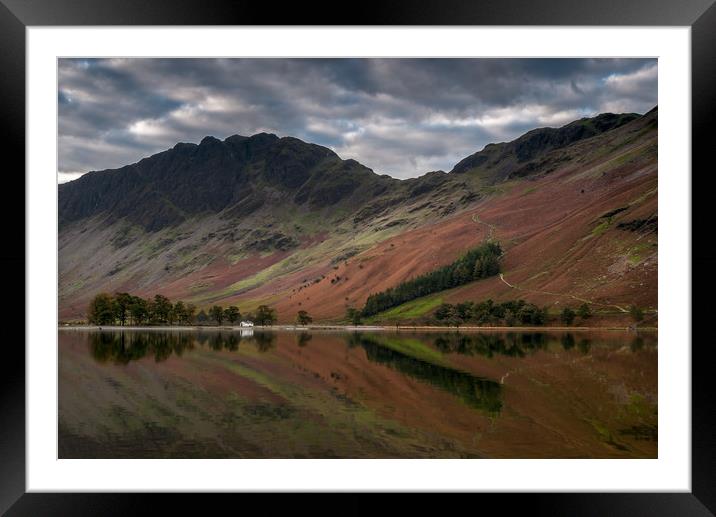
x,y
490,228
490,236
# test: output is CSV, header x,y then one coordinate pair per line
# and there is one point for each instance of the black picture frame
x,y
17,15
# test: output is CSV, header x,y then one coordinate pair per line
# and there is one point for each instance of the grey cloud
x,y
397,116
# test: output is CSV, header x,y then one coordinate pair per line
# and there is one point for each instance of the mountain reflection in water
x,y
261,393
476,392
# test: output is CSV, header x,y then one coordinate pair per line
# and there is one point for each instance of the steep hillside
x,y
521,157
279,221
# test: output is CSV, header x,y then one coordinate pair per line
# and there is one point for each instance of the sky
x,y
402,117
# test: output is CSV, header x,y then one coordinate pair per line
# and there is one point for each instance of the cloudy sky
x,y
402,117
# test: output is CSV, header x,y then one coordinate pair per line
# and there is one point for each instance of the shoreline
x,y
354,328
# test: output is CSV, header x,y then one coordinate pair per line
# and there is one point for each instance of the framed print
x,y
424,257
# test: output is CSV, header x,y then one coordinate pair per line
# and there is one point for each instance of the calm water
x,y
321,394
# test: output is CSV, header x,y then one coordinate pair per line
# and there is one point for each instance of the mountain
x,y
518,158
263,219
240,173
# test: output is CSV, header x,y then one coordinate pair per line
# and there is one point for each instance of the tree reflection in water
x,y
302,338
121,347
487,345
477,392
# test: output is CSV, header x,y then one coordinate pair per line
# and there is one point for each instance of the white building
x,y
247,323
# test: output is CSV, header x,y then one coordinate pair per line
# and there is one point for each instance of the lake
x,y
371,394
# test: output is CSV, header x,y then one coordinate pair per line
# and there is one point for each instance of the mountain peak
x,y
235,139
207,140
502,158
184,145
267,137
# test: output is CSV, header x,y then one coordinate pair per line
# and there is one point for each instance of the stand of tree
x,y
303,318
509,313
126,309
477,263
